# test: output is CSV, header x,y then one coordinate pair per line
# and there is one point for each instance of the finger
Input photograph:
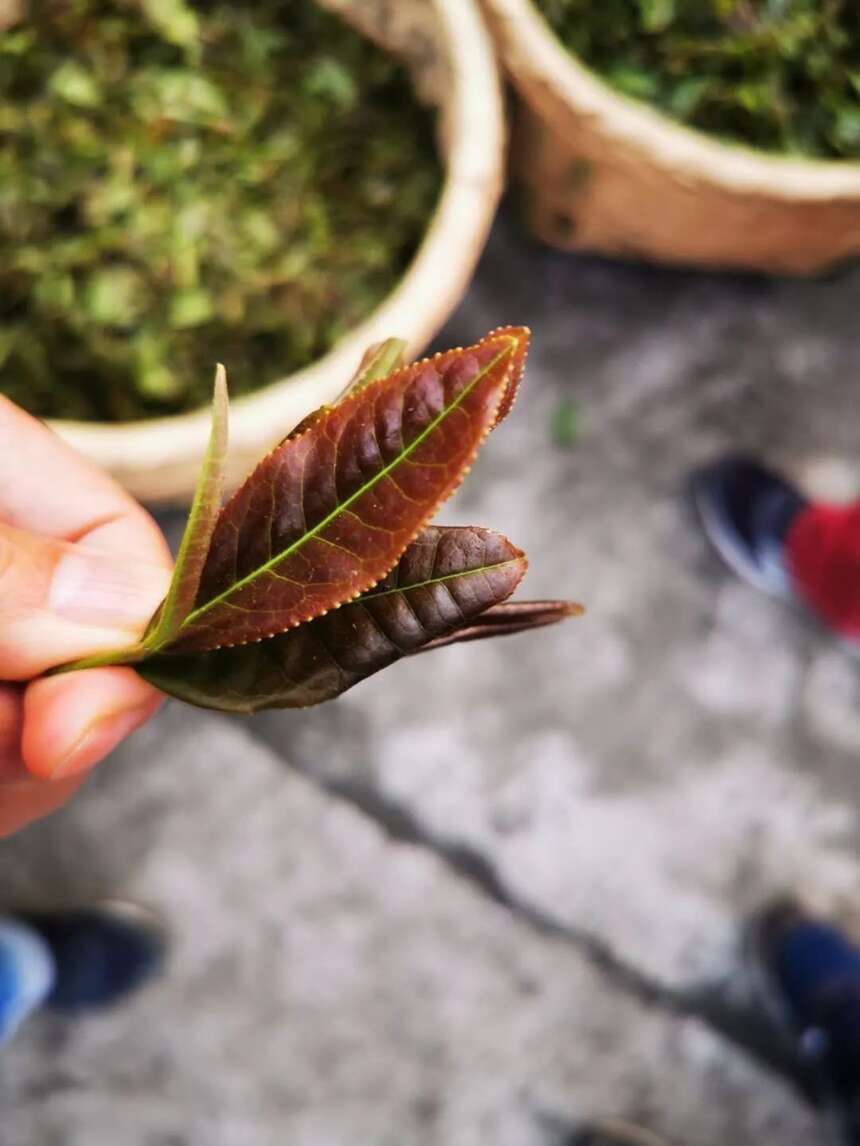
x,y
74,720
47,488
11,724
24,801
22,797
60,601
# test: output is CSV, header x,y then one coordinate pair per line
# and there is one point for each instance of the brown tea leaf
x,y
329,512
444,580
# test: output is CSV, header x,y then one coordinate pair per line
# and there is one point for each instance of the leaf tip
x,y
220,382
517,340
549,612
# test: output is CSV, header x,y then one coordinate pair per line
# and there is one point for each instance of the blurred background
x,y
499,891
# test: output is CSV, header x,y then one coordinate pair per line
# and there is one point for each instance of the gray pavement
x,y
499,889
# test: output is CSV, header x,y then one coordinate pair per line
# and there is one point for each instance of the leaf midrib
x,y
436,580
194,616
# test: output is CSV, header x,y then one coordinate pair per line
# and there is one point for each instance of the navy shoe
x,y
101,953
811,973
746,511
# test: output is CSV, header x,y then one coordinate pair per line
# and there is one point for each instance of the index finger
x,y
47,488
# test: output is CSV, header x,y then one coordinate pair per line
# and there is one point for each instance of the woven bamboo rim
x,y
157,460
582,111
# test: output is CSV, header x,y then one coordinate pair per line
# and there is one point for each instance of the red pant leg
x,y
823,550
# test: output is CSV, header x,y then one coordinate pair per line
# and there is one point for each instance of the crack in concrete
x,y
744,1026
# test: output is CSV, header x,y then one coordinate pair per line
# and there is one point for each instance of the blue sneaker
x,y
100,953
746,510
811,973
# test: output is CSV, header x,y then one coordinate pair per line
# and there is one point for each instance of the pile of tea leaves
x,y
185,183
780,75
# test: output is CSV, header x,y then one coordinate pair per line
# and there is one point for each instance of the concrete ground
x,y
499,890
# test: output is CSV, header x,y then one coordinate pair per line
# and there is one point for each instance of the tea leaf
x,y
330,511
378,362
175,20
564,424
321,570
443,581
75,85
194,547
510,618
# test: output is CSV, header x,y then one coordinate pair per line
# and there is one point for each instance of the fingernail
x,y
99,738
96,589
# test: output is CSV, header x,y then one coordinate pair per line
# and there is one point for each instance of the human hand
x,y
82,569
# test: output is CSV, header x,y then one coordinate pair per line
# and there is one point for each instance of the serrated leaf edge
x,y
511,340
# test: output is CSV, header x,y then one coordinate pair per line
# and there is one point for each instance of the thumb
x,y
60,601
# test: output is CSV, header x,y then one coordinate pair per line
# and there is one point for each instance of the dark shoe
x,y
613,1134
811,974
746,510
101,953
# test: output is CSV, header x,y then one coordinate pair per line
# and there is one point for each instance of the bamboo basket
x,y
446,46
603,172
